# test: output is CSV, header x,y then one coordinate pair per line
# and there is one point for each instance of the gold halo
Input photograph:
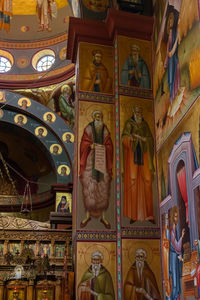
x,y
97,247
95,107
27,99
2,96
49,113
37,128
140,245
59,169
1,113
24,118
59,148
66,86
64,136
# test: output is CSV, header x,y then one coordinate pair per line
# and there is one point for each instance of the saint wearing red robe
x,y
95,183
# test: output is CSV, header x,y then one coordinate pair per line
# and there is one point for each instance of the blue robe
x,y
175,269
144,81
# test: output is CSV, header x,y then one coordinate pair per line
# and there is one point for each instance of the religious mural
x,y
96,270
96,68
179,183
95,9
134,62
46,10
64,202
24,103
13,293
60,98
138,162
38,16
96,165
141,269
176,65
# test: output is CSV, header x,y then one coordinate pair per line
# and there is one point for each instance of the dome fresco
x,y
26,21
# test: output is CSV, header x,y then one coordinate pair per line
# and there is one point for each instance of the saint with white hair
x,y
96,282
96,162
140,281
134,70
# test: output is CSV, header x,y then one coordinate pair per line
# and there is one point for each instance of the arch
x,y
53,130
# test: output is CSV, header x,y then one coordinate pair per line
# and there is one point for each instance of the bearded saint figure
x,y
140,281
135,71
138,153
96,183
96,282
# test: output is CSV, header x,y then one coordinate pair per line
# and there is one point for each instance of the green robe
x,y
102,284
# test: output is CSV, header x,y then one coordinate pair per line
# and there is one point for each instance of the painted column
x,y
1,290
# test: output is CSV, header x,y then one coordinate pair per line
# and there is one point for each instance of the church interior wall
x,y
177,125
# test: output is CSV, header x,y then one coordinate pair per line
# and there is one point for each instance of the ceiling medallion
x,y
22,62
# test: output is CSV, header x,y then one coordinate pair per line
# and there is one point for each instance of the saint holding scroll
x,y
96,161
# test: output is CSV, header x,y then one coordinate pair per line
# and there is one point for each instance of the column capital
x,y
97,32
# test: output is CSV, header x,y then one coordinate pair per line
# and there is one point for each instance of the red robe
x,y
95,193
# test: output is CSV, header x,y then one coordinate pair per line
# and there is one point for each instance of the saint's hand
x,y
92,146
196,242
141,291
183,233
98,81
85,288
180,257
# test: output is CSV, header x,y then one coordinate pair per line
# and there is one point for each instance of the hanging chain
x,y
8,174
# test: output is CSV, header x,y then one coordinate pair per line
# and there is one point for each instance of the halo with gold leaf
x,y
64,136
24,98
2,96
97,247
59,148
41,127
59,169
96,107
20,115
140,245
49,113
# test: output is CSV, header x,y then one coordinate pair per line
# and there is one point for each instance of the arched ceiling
x,y
25,24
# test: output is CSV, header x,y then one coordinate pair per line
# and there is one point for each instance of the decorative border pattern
x,y
117,178
143,233
33,45
95,97
94,236
137,92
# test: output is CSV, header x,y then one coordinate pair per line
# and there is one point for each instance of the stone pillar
x,y
30,293
1,290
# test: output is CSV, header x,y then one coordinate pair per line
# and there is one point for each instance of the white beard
x,y
96,269
140,267
138,120
135,58
98,126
